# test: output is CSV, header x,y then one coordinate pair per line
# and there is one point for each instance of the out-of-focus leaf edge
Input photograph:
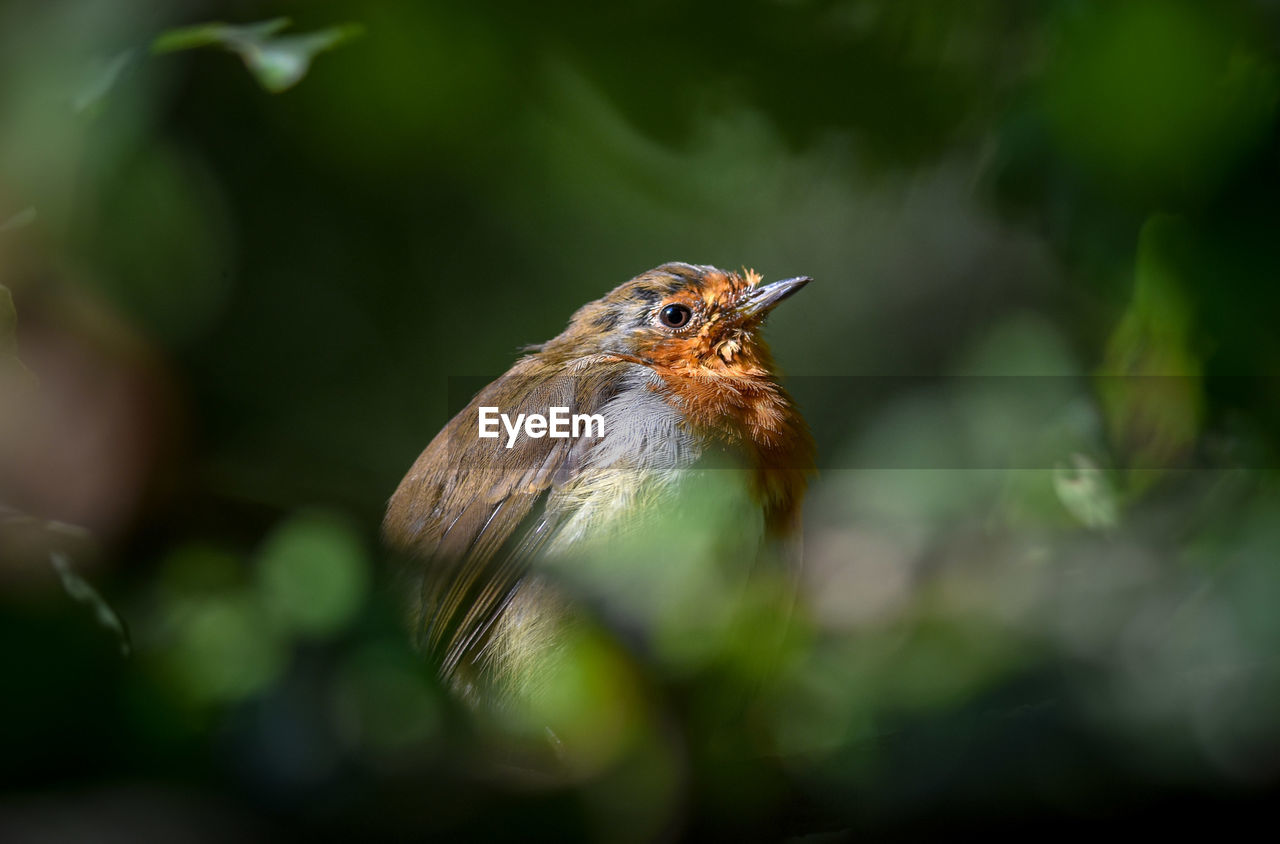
x,y
216,33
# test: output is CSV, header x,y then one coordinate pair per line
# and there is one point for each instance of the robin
x,y
667,374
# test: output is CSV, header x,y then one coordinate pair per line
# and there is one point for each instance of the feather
x,y
488,519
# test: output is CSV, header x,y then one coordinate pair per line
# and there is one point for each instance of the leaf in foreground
x,y
278,63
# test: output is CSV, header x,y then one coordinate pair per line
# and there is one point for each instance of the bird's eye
x,y
675,316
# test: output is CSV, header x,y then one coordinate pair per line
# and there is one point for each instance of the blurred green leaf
x,y
223,647
313,574
281,63
586,700
1087,493
210,633
209,34
277,63
1150,381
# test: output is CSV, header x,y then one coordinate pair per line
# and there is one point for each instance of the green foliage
x,y
1087,493
222,635
313,574
1159,94
1039,556
1155,409
277,61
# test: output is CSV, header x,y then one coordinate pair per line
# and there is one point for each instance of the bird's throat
x,y
755,416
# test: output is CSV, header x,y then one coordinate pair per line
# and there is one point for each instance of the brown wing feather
x,y
471,511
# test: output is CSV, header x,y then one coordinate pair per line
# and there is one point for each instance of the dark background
x,y
237,314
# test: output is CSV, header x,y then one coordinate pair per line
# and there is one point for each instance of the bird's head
x,y
681,318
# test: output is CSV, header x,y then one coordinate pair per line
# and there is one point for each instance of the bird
x,y
674,366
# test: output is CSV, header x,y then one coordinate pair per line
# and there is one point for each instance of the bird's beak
x,y
764,298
